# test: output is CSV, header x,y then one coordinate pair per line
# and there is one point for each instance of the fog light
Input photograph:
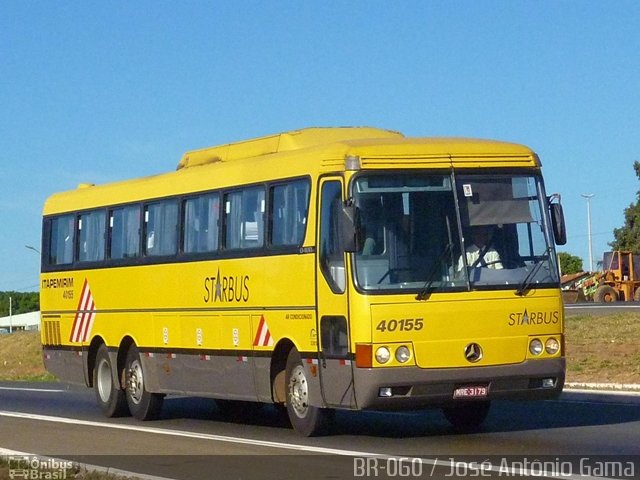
x,y
552,346
535,347
548,382
403,354
385,392
383,355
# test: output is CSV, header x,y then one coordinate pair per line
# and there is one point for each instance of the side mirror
x,y
557,222
348,230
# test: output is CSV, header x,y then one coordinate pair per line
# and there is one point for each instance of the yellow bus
x,y
318,269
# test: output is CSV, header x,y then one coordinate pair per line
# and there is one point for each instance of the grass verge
x,y
21,357
603,349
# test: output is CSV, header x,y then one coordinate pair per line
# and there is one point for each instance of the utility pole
x,y
10,315
589,196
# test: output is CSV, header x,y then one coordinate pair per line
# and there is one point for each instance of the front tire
x,y
143,404
305,419
110,397
467,416
606,294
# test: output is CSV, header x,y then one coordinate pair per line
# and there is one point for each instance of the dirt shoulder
x,y
603,349
21,357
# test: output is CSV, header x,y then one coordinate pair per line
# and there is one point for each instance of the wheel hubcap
x,y
299,391
135,382
104,382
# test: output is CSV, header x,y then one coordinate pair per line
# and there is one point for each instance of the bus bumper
x,y
65,363
414,387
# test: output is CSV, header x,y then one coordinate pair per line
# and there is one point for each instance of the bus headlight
x,y
535,347
383,355
403,354
552,346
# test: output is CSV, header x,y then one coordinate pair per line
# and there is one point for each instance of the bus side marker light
x,y
364,355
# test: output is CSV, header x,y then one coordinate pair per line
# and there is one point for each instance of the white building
x,y
23,321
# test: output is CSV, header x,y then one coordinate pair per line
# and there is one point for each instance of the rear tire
x,y
305,419
143,404
110,397
636,295
606,294
467,416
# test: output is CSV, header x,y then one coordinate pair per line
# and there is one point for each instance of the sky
x,y
95,91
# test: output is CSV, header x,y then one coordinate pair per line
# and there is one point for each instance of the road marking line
x,y
611,388
269,444
32,389
182,433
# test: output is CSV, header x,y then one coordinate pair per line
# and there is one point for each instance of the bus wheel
x,y
305,418
143,404
110,397
467,416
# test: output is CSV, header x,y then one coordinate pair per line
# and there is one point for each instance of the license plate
x,y
471,391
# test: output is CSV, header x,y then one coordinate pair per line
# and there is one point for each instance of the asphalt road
x,y
601,308
193,440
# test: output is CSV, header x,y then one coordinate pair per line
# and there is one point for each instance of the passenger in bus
x,y
480,252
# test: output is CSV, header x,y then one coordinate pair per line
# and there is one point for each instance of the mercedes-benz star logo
x,y
473,352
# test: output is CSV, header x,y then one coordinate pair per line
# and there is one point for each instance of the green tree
x,y
569,263
628,236
21,302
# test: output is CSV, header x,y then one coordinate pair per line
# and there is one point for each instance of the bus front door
x,y
336,374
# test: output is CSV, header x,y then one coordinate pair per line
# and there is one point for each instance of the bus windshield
x,y
412,232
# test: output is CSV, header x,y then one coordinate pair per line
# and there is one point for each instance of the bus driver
x,y
480,252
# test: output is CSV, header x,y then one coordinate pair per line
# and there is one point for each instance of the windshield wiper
x,y
426,290
526,283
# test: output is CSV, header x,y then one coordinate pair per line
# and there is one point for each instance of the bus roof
x,y
301,152
282,142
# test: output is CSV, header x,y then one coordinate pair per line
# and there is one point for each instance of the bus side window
x,y
161,228
201,223
244,218
91,230
333,335
289,204
124,232
331,256
61,240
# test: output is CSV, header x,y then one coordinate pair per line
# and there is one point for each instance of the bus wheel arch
x,y
278,370
92,353
125,345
